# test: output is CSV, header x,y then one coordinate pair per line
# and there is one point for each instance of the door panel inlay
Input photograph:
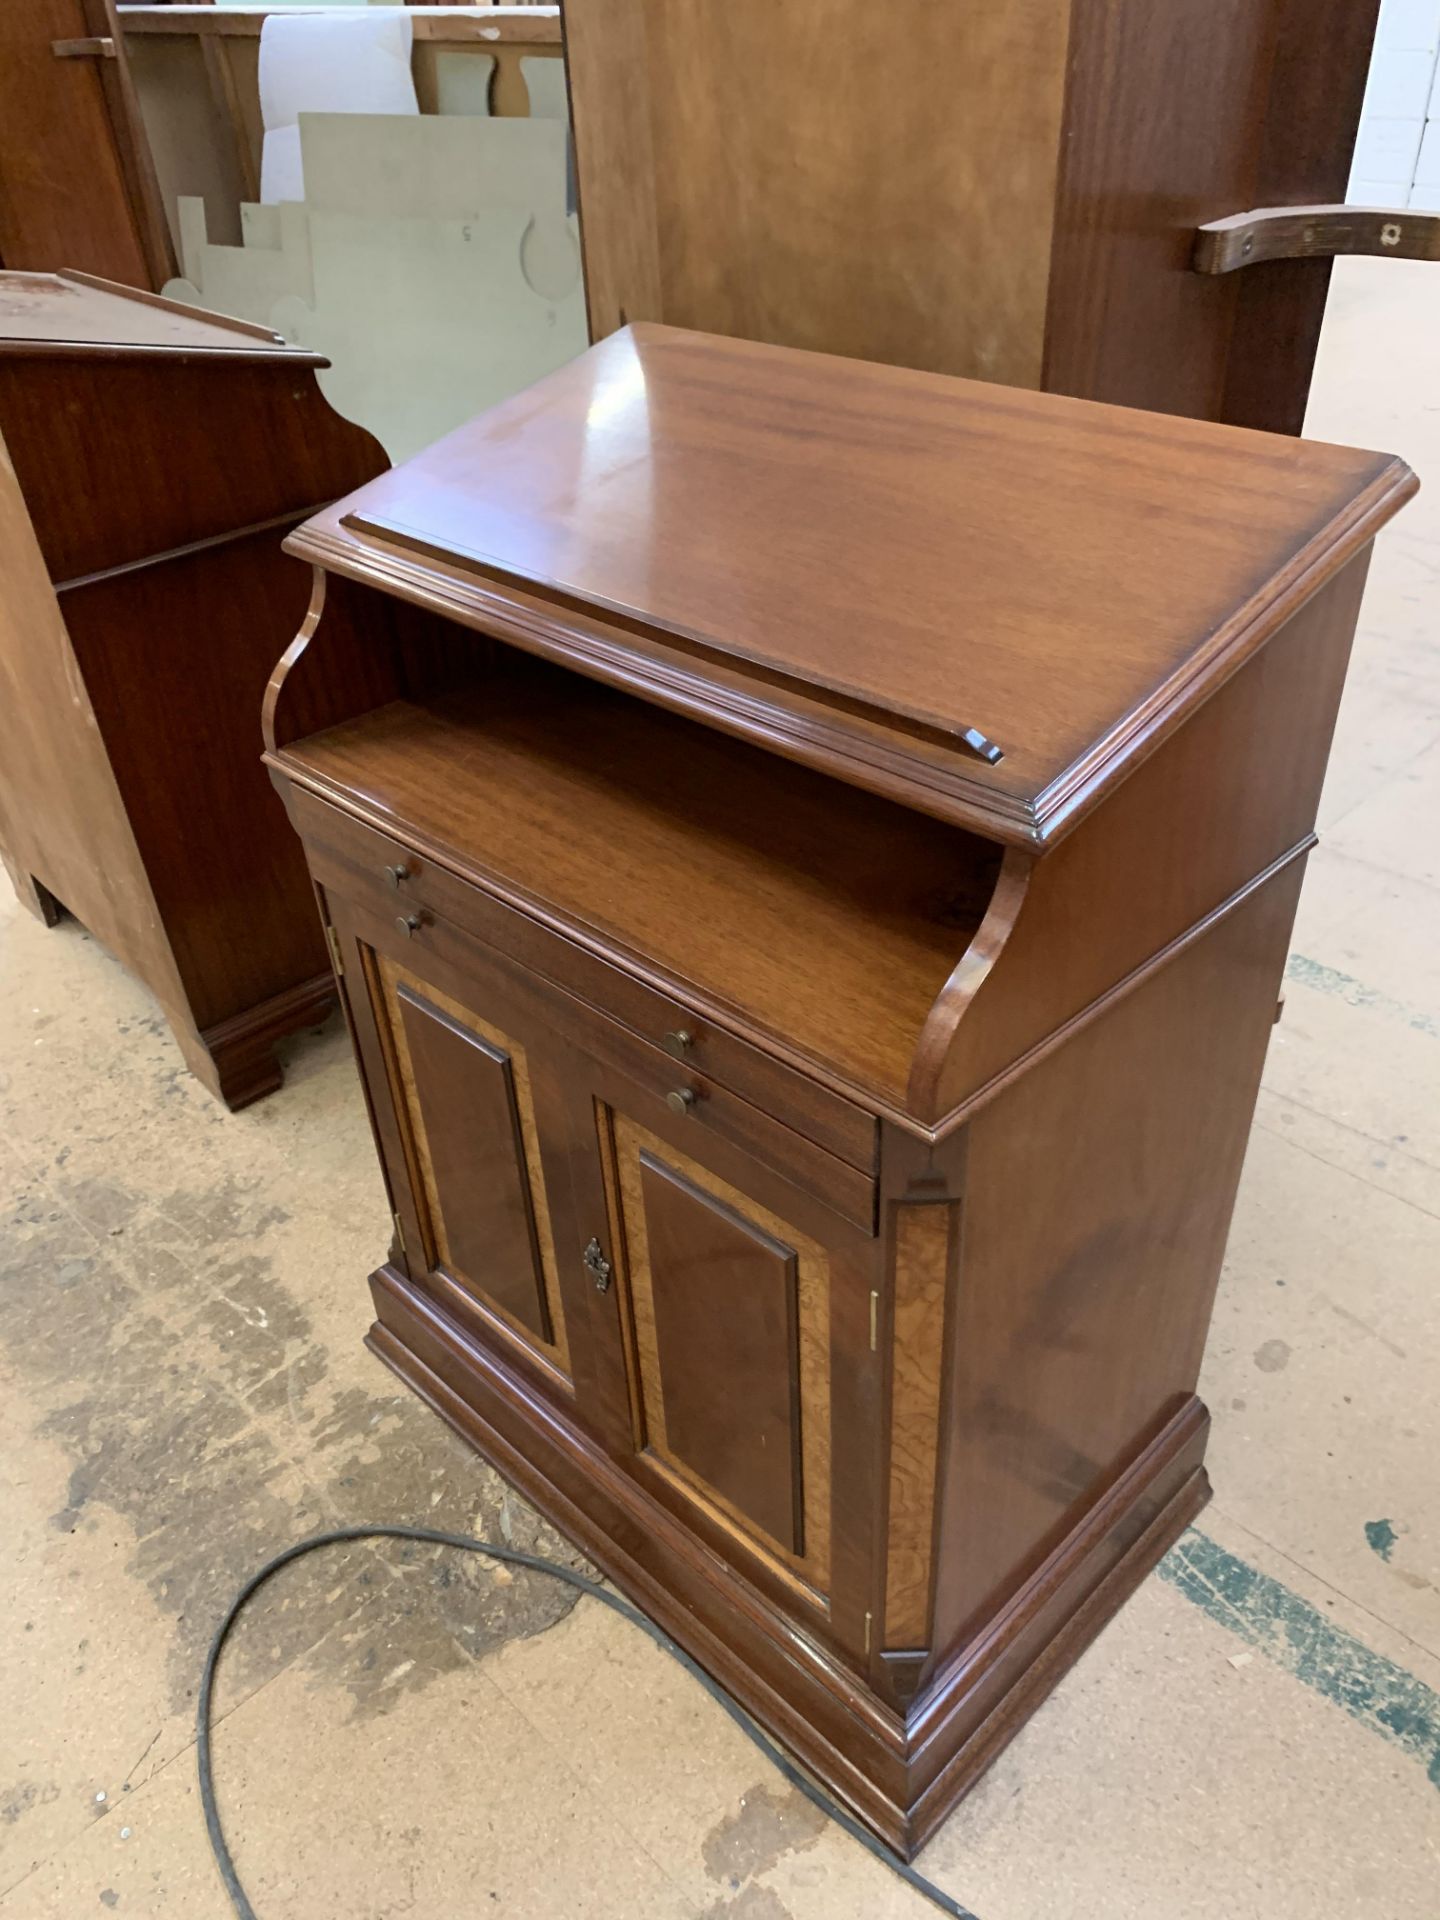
x,y
730,1312
465,1091
724,1296
925,1239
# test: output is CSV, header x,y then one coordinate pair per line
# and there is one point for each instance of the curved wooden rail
x,y
1314,233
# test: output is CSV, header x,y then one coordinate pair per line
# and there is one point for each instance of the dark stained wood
x,y
1317,87
1259,808
725,1307
77,183
160,457
1314,233
359,862
1080,1316
465,1091
1001,589
737,173
881,1438
763,887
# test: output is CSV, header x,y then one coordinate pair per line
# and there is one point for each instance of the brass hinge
x,y
874,1321
98,46
869,1623
335,958
400,1236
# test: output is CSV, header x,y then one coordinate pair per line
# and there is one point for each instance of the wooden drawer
x,y
495,986
361,861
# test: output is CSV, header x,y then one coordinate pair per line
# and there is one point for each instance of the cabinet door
x,y
454,1090
726,1334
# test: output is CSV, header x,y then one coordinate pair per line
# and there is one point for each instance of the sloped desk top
x,y
957,615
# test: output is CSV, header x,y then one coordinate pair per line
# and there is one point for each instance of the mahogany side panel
x,y
77,185
177,704
62,818
1176,115
1098,1194
123,458
1138,876
1317,88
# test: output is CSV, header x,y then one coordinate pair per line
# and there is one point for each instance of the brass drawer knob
x,y
679,1042
409,924
401,871
680,1100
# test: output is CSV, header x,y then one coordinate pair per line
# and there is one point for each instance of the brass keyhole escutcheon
x,y
597,1266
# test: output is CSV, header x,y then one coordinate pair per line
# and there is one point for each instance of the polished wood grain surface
x,y
927,1248
77,183
1098,1198
429,1191
466,1099
159,470
882,1437
61,813
753,152
813,910
956,568
738,172
773,1335
724,1305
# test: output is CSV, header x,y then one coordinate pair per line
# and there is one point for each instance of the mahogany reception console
x,y
810,851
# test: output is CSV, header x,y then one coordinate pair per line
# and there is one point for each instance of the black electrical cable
x,y
429,1536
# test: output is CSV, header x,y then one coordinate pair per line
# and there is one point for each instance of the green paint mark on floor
x,y
1355,993
1382,1537
1299,1638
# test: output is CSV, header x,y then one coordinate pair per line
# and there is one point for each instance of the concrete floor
x,y
183,1391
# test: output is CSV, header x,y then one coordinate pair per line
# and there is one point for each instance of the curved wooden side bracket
x,y
1314,233
273,727
968,976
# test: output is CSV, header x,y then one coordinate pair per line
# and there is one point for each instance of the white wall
x,y
1397,153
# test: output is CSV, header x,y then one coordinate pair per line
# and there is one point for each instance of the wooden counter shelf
x,y
810,852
